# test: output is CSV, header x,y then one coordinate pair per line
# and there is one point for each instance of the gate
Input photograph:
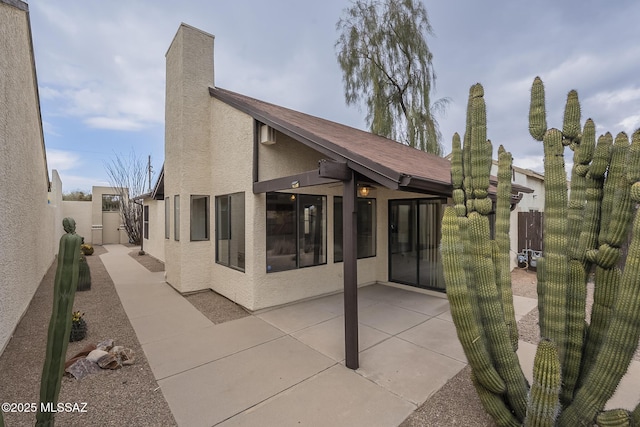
x,y
529,238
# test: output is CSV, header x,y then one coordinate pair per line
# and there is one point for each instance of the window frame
x,y
229,235
193,237
145,222
167,217
374,226
298,214
176,217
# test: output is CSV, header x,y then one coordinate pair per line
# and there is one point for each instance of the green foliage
x,y
84,275
386,64
78,196
65,284
578,365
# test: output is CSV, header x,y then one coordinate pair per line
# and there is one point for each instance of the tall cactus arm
x,y
614,229
614,418
620,217
606,289
571,122
543,407
461,309
505,359
480,166
495,406
595,182
457,176
537,111
65,284
552,303
635,416
576,302
503,219
619,345
466,153
582,155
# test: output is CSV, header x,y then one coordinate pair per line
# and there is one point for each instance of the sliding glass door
x,y
414,240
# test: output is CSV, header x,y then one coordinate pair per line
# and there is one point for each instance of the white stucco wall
x,y
28,210
154,245
81,212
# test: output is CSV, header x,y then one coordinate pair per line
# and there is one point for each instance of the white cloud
x,y
71,182
113,123
111,71
62,160
630,124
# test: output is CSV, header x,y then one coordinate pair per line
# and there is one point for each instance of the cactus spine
x,y
577,365
66,281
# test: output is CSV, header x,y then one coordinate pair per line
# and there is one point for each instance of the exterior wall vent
x,y
267,135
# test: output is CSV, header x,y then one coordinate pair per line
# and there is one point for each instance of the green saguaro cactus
x,y
578,364
64,291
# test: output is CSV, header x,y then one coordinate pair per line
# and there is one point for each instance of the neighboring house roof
x,y
385,161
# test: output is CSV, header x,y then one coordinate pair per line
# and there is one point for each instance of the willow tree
x,y
386,63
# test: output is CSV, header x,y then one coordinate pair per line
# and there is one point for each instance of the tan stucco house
x,y
255,200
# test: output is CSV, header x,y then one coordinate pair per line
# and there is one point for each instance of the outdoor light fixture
x,y
295,184
363,190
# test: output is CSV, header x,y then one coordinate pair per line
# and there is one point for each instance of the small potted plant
x,y
78,327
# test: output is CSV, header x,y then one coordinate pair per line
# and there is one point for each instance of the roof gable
x,y
385,161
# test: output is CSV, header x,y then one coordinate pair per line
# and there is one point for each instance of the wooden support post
x,y
350,257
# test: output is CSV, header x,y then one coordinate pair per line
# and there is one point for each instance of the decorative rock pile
x,y
93,358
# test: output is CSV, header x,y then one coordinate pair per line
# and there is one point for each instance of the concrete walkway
x,y
285,366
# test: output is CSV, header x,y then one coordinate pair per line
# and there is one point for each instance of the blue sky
x,y
101,68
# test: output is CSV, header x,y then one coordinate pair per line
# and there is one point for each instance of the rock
x,y
95,355
126,356
105,345
82,367
109,361
81,355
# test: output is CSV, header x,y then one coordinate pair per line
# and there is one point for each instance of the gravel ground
x,y
130,396
127,396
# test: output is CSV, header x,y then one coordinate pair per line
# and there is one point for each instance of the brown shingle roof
x,y
387,162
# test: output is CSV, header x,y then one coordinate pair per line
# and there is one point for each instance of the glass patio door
x,y
414,240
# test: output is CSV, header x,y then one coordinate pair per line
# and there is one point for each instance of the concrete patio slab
x,y
445,316
173,321
407,370
335,303
212,393
295,317
197,347
147,300
335,397
390,318
523,305
416,301
435,335
328,337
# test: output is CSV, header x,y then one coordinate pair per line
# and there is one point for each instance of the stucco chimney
x,y
189,62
